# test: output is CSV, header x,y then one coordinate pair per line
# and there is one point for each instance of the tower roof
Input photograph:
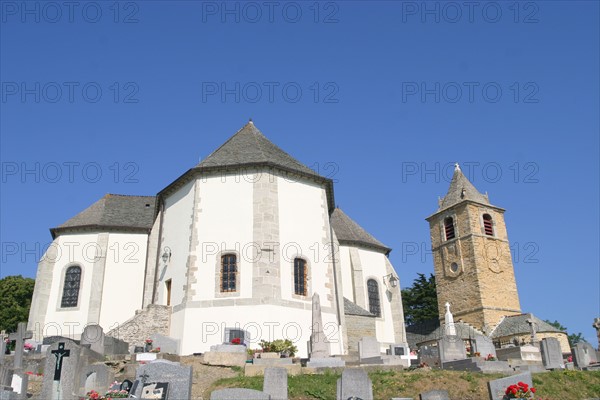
x,y
460,190
114,211
250,146
349,232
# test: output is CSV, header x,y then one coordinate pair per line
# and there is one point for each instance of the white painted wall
x,y
205,327
346,271
373,265
123,278
225,224
72,249
176,232
302,227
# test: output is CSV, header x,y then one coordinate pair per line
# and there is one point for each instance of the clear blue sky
x,y
98,98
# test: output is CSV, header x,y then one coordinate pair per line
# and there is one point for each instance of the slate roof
x,y
349,232
114,211
351,308
461,189
517,325
431,330
250,146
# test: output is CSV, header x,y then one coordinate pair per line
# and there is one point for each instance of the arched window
x,y
71,287
488,225
449,228
373,290
300,272
228,273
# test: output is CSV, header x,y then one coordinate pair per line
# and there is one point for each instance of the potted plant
x,y
148,345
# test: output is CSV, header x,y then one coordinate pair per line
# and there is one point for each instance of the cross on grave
x,y
59,354
596,325
19,337
532,326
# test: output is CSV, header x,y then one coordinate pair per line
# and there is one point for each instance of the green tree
x,y
420,300
574,338
15,299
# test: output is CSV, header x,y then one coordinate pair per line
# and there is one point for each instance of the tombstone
x,y
64,360
7,394
276,383
434,395
166,343
497,388
584,355
93,336
451,348
551,353
138,349
19,383
239,394
50,340
95,377
3,347
354,383
113,346
319,345
528,353
596,326
19,337
162,379
484,346
368,350
399,349
429,355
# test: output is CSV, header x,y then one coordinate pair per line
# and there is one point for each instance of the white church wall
x,y
303,223
176,232
346,271
79,250
123,278
205,327
373,265
224,224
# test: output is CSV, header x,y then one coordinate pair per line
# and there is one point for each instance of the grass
x,y
555,385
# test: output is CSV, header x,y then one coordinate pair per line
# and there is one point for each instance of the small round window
x,y
454,267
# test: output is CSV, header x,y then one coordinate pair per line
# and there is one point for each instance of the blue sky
x,y
384,97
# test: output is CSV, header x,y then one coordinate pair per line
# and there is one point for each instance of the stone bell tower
x,y
471,255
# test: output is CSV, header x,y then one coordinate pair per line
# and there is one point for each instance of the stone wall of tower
x,y
481,287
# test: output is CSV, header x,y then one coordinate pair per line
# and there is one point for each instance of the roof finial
x,y
456,167
250,121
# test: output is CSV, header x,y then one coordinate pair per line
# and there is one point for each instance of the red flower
x,y
532,390
236,341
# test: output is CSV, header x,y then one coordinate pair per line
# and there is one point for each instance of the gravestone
x,y
354,383
19,337
115,346
451,348
399,349
167,344
93,336
96,377
276,383
429,355
60,370
19,384
7,394
551,353
484,346
434,395
368,349
584,355
163,378
319,346
497,388
239,394
533,327
3,338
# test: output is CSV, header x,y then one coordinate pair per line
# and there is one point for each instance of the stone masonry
x,y
153,319
483,288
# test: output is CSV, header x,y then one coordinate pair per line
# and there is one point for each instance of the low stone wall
x,y
153,319
358,327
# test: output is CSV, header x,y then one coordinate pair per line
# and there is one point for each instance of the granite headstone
x,y
354,383
497,388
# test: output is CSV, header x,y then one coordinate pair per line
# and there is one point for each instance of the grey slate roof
x,y
115,211
351,308
461,189
431,331
349,232
517,325
250,146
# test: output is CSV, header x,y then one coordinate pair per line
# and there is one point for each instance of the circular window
x,y
454,267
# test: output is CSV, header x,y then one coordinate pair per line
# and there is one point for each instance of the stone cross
x,y
597,326
60,354
19,337
318,342
531,322
3,346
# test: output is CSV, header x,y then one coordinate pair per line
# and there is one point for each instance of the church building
x,y
235,247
